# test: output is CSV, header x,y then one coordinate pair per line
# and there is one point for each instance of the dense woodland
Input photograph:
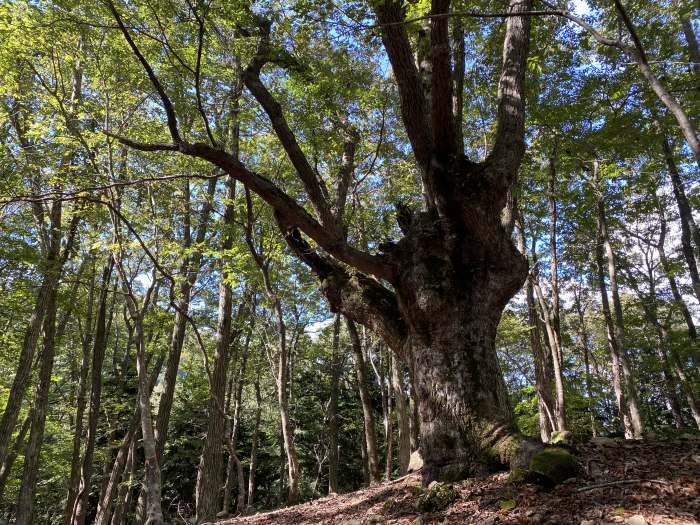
x,y
253,253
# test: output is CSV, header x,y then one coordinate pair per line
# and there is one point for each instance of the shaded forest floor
x,y
644,483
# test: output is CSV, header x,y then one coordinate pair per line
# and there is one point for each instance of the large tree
x,y
436,295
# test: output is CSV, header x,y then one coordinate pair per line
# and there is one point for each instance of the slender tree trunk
x,y
541,359
234,467
80,506
671,385
675,292
254,445
80,403
638,55
333,410
585,345
124,490
104,506
404,450
389,421
380,372
553,310
283,399
555,351
631,423
663,349
19,443
154,514
365,462
30,472
210,474
689,230
686,384
26,357
619,328
366,401
190,268
692,45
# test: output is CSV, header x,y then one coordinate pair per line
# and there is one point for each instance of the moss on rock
x,y
517,475
437,496
554,465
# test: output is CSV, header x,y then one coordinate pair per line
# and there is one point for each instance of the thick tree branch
x,y
165,100
294,214
357,296
509,144
391,18
345,174
326,232
251,78
441,81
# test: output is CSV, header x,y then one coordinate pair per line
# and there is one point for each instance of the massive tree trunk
x,y
79,510
415,420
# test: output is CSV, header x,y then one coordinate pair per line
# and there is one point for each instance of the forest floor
x,y
621,482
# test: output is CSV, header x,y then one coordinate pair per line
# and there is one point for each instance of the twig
x,y
393,481
621,482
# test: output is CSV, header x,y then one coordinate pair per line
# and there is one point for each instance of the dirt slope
x,y
634,483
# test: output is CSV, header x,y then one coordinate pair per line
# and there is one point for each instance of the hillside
x,y
634,483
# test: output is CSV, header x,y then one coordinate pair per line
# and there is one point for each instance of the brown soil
x,y
642,483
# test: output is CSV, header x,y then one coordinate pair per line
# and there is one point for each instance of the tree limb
x,y
391,18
